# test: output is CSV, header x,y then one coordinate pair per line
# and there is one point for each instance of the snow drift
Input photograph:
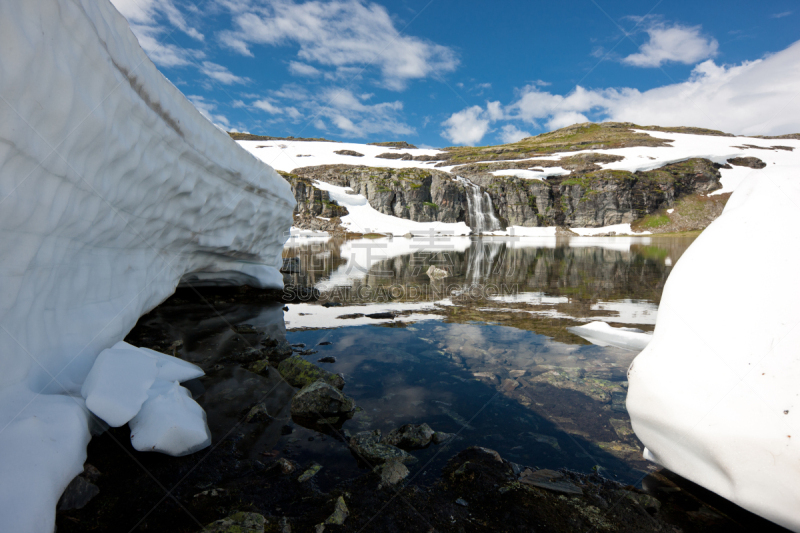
x,y
715,395
112,187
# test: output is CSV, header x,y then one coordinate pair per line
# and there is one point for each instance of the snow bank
x,y
714,397
113,187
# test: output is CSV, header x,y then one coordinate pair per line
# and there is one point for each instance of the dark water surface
x,y
483,353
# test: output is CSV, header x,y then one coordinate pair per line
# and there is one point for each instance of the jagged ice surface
x,y
112,188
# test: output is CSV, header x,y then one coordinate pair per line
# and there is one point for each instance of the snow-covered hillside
x,y
287,155
113,187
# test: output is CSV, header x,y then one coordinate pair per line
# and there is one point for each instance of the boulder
x,y
367,446
238,522
300,373
410,436
321,400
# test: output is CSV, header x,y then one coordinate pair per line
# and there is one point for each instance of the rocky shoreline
x,y
245,483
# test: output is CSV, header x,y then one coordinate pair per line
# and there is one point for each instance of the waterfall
x,y
481,211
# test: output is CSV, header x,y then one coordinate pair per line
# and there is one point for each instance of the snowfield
x,y
113,187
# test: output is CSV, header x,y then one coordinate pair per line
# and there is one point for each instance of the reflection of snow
x,y
533,298
305,315
602,334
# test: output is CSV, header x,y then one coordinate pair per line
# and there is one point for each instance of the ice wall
x,y
112,188
715,396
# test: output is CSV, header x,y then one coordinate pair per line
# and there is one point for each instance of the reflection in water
x,y
494,362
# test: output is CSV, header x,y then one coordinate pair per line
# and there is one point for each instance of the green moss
x,y
430,204
654,221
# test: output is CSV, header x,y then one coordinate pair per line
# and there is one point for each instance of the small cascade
x,y
481,210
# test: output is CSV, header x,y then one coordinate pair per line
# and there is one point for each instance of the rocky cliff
x,y
412,193
588,197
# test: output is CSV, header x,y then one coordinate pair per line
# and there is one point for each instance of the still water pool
x,y
479,347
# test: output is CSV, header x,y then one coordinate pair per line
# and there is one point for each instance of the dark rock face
x,y
349,152
597,198
313,203
395,155
588,197
752,162
415,194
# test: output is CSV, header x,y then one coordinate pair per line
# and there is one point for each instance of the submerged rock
x,y
410,436
392,472
300,373
340,513
312,471
368,447
239,522
320,400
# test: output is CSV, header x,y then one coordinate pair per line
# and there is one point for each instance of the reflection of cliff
x,y
584,273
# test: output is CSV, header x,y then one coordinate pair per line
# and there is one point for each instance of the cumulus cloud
x,y
221,74
753,98
511,134
273,109
470,125
145,16
675,43
338,34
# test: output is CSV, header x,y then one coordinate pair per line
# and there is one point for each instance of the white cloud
x,y
221,74
207,109
336,109
467,126
511,134
338,33
759,97
357,119
272,109
676,43
163,54
144,17
781,15
302,69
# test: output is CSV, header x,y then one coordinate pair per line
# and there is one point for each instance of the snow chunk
x,y
602,334
170,422
117,384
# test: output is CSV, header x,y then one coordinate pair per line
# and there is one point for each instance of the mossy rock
x,y
238,522
300,373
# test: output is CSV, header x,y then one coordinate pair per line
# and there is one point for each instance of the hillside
x,y
590,178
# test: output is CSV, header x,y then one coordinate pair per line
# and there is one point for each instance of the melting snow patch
x,y
602,334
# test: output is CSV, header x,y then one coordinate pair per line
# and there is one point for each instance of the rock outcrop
x,y
415,194
588,197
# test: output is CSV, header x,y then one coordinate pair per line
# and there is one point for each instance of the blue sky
x,y
445,72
